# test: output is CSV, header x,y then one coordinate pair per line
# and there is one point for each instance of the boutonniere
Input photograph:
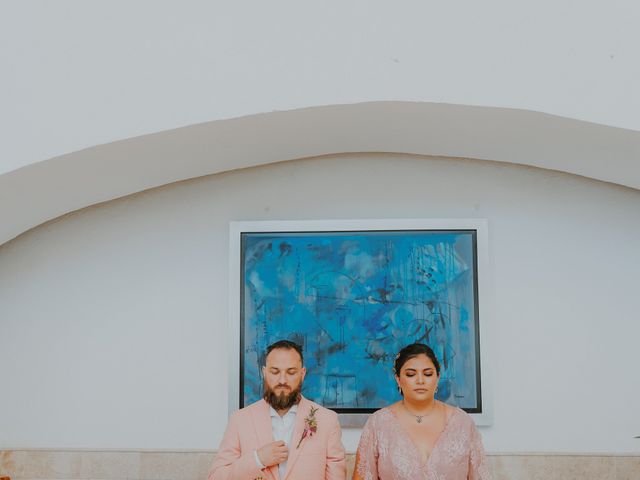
x,y
310,425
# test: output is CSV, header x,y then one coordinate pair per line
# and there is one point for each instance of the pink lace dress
x,y
386,451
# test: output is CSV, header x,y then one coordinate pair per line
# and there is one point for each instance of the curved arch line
x,y
48,189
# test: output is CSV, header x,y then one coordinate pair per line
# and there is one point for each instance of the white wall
x,y
75,74
78,75
113,318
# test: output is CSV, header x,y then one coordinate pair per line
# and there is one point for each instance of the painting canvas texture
x,y
353,300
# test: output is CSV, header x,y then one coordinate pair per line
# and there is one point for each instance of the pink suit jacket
x,y
320,457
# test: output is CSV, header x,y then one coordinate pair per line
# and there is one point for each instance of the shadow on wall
x,y
106,172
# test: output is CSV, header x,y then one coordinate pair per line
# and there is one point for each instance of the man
x,y
284,436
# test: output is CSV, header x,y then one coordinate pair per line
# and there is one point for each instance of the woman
x,y
419,437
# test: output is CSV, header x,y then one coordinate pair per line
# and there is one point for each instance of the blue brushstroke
x,y
353,300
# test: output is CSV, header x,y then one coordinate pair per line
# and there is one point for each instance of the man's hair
x,y
284,345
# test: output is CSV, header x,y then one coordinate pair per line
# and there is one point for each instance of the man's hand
x,y
273,453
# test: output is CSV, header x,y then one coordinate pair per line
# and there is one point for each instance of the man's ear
x,y
304,372
264,372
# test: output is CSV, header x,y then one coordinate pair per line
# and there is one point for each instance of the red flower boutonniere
x,y
310,425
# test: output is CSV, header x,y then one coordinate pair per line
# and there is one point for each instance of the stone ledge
x,y
49,464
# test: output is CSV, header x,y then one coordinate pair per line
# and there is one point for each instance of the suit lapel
x,y
262,422
304,407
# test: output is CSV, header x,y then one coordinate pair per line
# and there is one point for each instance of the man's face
x,y
283,375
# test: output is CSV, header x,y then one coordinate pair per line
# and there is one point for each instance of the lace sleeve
x,y
478,466
367,455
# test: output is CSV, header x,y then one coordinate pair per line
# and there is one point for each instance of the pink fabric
x,y
320,457
386,451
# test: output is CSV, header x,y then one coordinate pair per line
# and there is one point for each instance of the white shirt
x,y
282,428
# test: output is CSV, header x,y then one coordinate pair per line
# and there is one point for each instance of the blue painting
x,y
353,300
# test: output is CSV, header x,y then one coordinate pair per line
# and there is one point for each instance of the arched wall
x,y
40,192
78,74
113,317
79,78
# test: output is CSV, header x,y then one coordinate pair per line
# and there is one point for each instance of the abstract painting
x,y
353,299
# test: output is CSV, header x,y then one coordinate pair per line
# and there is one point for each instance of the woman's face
x,y
418,379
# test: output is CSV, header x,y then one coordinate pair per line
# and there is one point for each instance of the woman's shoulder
x,y
459,416
389,414
384,412
382,416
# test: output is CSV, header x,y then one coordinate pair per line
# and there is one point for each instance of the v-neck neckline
x,y
423,461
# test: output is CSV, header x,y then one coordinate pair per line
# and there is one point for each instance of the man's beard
x,y
282,400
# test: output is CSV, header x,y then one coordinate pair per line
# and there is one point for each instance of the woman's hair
x,y
411,351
